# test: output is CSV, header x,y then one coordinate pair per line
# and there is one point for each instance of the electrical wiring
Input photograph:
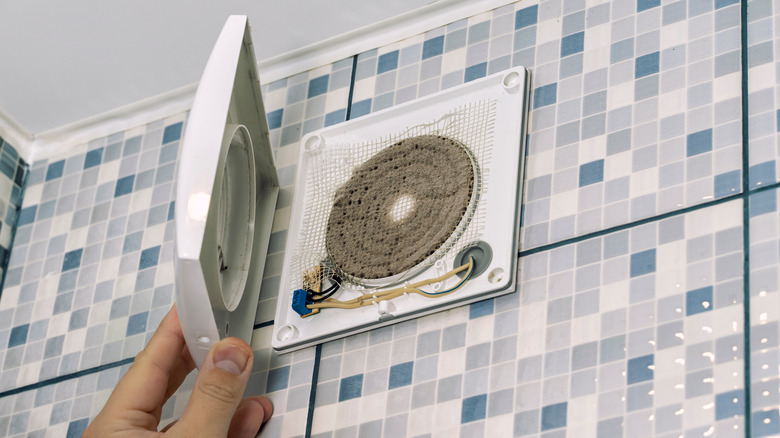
x,y
369,299
327,293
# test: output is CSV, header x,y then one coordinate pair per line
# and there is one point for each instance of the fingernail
x,y
231,359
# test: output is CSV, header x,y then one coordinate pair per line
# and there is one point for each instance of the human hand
x,y
216,407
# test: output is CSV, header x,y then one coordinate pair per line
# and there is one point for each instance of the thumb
x,y
218,390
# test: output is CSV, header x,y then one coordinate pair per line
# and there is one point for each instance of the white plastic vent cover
x,y
225,197
488,116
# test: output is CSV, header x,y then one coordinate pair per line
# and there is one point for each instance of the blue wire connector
x,y
299,302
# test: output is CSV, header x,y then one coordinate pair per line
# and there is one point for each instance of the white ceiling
x,y
62,62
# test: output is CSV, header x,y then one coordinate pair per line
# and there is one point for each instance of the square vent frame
x,y
508,93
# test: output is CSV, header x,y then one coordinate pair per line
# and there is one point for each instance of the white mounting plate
x,y
216,205
509,90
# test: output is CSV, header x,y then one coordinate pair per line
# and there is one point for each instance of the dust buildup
x,y
364,240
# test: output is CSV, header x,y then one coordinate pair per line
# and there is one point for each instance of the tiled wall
x,y
650,233
13,172
637,331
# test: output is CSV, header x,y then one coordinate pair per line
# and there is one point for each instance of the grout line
x,y
746,215
351,88
65,377
764,188
313,391
633,224
262,324
318,349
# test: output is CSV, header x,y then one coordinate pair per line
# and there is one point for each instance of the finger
x,y
180,372
144,386
218,390
252,412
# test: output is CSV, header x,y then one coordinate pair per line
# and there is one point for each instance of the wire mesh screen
x,y
331,165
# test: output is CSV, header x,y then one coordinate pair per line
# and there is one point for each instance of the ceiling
x,y
62,62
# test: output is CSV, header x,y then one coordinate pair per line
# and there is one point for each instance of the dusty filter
x,y
399,207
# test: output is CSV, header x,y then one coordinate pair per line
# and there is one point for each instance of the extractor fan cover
x,y
225,197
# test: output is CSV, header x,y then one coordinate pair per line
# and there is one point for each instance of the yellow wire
x,y
367,300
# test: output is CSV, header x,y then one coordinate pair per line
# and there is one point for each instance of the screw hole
x,y
496,275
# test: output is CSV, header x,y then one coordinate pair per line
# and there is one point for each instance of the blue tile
x,y
698,301
124,186
67,281
10,217
572,44
77,428
699,142
55,170
727,183
169,153
137,323
481,308
526,17
400,375
93,158
149,257
8,165
433,47
318,86
387,62
475,72
526,423
334,117
777,116
643,262
132,242
642,5
473,408
763,202
723,3
351,387
545,95
360,109
10,150
554,416
21,170
275,118
762,174
729,404
16,196
72,260
591,173
639,369
18,335
766,423
281,83
647,65
172,133
27,215
132,145
278,379
171,210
